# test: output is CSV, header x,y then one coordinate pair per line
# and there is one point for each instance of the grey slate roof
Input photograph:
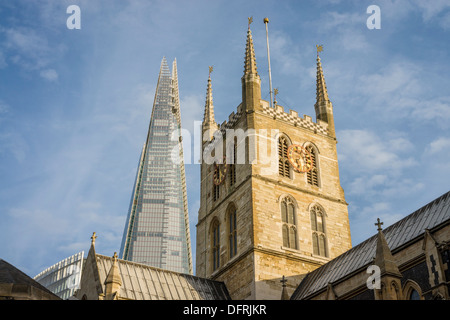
x,y
405,230
13,280
143,282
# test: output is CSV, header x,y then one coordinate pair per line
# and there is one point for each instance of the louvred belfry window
x,y
312,176
283,162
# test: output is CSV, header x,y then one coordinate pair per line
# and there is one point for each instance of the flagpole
x,y
266,21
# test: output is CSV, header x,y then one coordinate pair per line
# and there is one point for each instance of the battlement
x,y
232,119
278,113
293,118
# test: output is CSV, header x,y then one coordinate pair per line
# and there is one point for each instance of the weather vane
x,y
210,70
319,49
275,92
250,20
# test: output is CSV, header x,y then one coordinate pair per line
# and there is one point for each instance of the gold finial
x,y
210,70
266,20
319,49
115,257
93,239
275,92
250,20
378,224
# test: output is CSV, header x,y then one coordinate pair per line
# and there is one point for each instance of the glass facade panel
x,y
157,227
63,278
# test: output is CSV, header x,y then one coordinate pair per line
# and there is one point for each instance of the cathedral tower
x,y
272,207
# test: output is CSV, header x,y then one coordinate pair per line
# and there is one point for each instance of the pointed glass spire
x,y
157,226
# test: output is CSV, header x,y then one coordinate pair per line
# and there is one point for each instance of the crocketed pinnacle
x,y
208,117
321,87
384,259
114,273
250,60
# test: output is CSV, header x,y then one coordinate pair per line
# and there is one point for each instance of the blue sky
x,y
75,105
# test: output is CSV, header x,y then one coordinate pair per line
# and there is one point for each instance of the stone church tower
x,y
272,207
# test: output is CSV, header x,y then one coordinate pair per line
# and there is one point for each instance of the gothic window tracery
x,y
319,238
289,228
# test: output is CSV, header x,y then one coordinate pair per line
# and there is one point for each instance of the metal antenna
x,y
266,21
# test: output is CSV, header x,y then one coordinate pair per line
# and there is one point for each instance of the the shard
x,y
157,226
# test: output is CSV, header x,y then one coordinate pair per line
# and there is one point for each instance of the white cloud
x,y
362,185
431,9
445,21
4,107
364,151
30,49
192,109
49,74
332,20
3,63
400,91
13,144
39,222
433,109
439,145
395,78
402,9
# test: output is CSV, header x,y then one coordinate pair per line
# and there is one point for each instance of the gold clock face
x,y
299,158
220,171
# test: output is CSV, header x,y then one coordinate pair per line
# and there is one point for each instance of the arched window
x,y
215,244
232,232
319,238
312,176
394,291
414,295
283,162
289,228
412,290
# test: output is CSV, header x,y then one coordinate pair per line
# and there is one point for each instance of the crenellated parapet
x,y
293,118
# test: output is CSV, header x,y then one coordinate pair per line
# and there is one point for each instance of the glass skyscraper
x,y
157,226
63,278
